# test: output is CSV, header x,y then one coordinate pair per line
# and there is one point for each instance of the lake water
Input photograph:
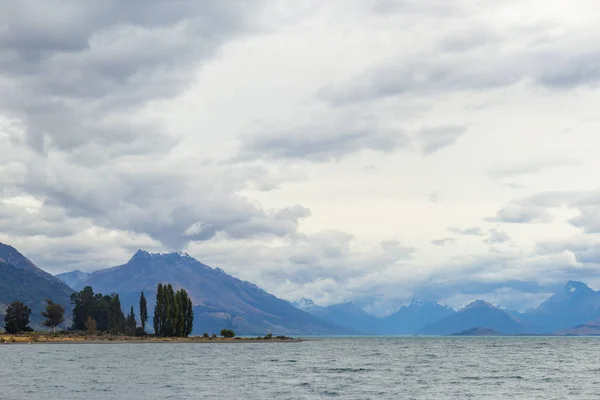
x,y
349,368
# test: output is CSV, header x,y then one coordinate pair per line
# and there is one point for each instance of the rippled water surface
x,y
358,368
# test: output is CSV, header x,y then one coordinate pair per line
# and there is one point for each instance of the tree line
x,y
96,312
16,319
173,314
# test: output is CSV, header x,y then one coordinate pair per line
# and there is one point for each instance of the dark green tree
x,y
173,314
227,333
143,312
171,311
83,302
130,323
158,311
16,319
186,313
116,318
54,314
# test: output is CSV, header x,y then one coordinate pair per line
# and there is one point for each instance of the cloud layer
x,y
360,150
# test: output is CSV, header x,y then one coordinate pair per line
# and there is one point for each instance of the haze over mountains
x,y
574,306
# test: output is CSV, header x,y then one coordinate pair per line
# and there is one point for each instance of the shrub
x,y
139,331
269,336
214,336
205,335
227,333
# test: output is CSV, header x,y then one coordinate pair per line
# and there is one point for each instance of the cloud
x,y
78,81
443,242
530,168
436,138
496,236
474,231
467,62
76,75
328,140
522,214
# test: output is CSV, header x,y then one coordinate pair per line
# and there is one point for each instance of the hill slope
x,y
575,304
220,300
478,314
24,285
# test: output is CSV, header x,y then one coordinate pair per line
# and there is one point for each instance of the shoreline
x,y
51,339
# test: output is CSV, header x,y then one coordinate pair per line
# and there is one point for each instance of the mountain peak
x,y
574,286
478,304
305,301
144,255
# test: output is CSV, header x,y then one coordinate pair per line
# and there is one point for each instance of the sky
x,y
349,150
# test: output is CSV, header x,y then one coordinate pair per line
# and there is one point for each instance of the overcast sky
x,y
367,150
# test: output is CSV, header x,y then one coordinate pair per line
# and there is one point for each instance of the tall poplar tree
x,y
158,311
173,313
143,312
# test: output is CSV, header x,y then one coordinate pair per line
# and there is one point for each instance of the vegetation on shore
x,y
98,317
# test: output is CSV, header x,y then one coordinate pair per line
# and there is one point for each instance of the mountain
x,y
11,256
574,305
589,329
307,305
477,314
478,332
414,317
220,300
347,315
74,278
27,283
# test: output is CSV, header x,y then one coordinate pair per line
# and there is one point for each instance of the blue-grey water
x,y
349,368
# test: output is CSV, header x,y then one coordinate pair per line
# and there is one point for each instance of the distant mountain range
x,y
222,301
573,306
477,314
20,279
74,278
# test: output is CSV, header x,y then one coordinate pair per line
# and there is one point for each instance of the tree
x,y
130,323
54,314
84,302
90,325
143,312
16,319
116,318
227,333
173,314
188,316
158,311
